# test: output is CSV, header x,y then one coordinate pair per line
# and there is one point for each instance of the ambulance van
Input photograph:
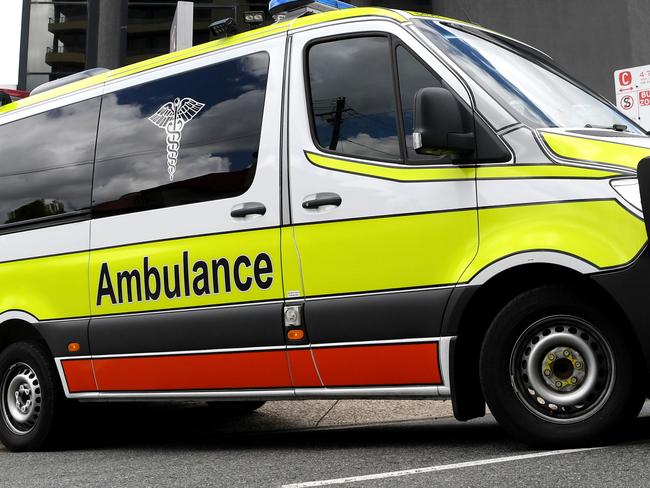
x,y
349,203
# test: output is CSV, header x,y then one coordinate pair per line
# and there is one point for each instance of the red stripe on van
x,y
303,370
249,370
79,375
399,364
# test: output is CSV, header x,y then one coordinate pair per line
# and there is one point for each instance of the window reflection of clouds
x,y
357,71
48,157
223,138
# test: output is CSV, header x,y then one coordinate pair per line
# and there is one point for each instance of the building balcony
x,y
67,24
63,55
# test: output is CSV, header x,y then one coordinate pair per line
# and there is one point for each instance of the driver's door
x,y
383,233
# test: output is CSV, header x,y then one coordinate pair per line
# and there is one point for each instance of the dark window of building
x,y
148,29
353,97
183,139
413,76
149,23
46,163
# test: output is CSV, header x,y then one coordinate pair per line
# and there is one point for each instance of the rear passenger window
x,y
46,163
353,97
183,139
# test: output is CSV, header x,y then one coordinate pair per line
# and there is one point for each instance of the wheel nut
x,y
547,372
574,380
558,384
567,353
578,365
551,357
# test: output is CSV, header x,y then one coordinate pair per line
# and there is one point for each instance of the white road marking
x,y
433,469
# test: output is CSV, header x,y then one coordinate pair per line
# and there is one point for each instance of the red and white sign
x,y
633,93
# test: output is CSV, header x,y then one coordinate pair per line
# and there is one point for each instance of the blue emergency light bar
x,y
278,6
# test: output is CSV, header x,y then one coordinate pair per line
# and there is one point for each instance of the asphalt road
x,y
187,445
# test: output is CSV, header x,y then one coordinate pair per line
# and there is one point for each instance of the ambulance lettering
x,y
184,279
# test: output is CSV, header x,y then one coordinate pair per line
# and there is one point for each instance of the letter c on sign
x,y
625,78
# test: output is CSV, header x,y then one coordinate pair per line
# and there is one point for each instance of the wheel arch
x,y
472,308
17,325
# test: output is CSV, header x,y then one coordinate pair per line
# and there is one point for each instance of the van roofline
x,y
205,48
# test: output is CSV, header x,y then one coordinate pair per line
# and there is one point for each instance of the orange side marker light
x,y
74,347
296,335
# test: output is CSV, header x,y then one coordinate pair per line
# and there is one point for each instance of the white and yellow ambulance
x,y
357,203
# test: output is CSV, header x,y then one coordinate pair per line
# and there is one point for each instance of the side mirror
x,y
441,123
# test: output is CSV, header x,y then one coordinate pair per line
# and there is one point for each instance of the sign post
x,y
181,35
633,93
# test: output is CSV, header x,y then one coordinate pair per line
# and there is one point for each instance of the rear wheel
x,y
557,369
29,397
236,408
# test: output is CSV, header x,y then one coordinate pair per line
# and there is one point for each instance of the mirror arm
x,y
417,140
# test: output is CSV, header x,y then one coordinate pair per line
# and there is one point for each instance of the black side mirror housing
x,y
441,123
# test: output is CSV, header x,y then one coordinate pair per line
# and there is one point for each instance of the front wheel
x,y
29,397
557,369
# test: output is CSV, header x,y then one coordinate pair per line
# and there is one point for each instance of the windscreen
x,y
534,91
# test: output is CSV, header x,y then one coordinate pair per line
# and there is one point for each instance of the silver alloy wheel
x,y
20,400
562,369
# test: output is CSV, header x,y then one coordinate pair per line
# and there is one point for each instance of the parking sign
x,y
633,93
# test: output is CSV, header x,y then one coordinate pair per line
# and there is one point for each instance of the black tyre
x,y
557,369
236,408
30,397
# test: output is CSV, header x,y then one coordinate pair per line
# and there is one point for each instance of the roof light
x,y
279,6
254,18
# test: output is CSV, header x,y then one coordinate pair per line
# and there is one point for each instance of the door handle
x,y
318,200
245,209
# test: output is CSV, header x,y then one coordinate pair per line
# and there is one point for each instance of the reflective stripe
x,y
394,172
347,14
405,173
593,150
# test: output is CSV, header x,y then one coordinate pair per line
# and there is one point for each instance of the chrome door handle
x,y
318,200
245,209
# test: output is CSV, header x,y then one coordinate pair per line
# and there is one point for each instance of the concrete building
x,y
589,38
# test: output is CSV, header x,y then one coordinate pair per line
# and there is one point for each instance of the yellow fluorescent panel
x,y
337,258
600,232
247,246
386,253
48,288
592,150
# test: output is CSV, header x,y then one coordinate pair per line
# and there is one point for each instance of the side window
x,y
353,97
46,163
413,76
183,139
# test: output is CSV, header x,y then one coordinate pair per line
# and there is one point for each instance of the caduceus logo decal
x,y
173,117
